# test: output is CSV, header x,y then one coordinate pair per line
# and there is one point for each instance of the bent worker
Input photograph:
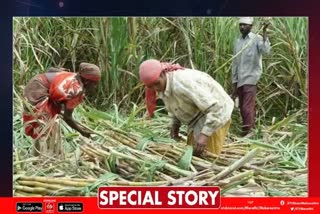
x,y
192,97
57,92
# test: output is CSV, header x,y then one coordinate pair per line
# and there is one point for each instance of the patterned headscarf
x,y
149,72
90,71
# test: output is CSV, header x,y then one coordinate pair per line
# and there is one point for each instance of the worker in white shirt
x,y
191,97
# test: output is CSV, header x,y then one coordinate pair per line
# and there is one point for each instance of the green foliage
x,y
119,45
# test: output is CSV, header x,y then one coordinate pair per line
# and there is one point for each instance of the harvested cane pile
x,y
128,158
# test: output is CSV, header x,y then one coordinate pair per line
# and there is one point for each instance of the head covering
x,y
149,72
57,69
151,69
89,71
246,20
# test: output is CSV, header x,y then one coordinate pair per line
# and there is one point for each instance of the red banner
x,y
159,197
91,204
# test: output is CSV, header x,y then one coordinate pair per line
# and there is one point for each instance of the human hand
x,y
86,133
174,132
146,116
200,144
266,23
234,94
265,26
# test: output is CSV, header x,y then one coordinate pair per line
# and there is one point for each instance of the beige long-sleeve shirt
x,y
196,99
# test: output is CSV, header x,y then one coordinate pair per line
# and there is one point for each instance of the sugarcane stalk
x,y
237,151
232,156
16,155
261,171
92,194
190,177
87,180
84,174
26,194
112,141
39,184
132,183
123,172
93,166
266,159
218,158
97,151
301,171
193,169
170,158
166,165
284,185
236,145
61,181
88,151
126,137
127,168
232,185
91,130
236,165
121,139
164,176
225,183
112,127
32,189
204,175
269,180
92,173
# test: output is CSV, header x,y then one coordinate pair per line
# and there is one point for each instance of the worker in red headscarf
x,y
57,92
191,97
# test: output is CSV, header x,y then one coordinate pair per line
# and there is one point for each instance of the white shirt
x,y
191,95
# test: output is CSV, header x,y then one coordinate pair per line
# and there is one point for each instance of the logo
x,y
70,207
49,207
18,208
29,207
60,207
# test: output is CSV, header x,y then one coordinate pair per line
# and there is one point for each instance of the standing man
x,y
247,69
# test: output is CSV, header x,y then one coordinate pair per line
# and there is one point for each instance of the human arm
x,y
174,132
67,117
264,43
234,76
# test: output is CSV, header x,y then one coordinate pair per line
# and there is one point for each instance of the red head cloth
x,y
149,72
90,71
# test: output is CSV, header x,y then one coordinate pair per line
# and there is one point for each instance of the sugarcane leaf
x,y
112,162
108,176
142,144
186,158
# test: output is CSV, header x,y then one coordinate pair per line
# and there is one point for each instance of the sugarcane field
x,y
160,101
